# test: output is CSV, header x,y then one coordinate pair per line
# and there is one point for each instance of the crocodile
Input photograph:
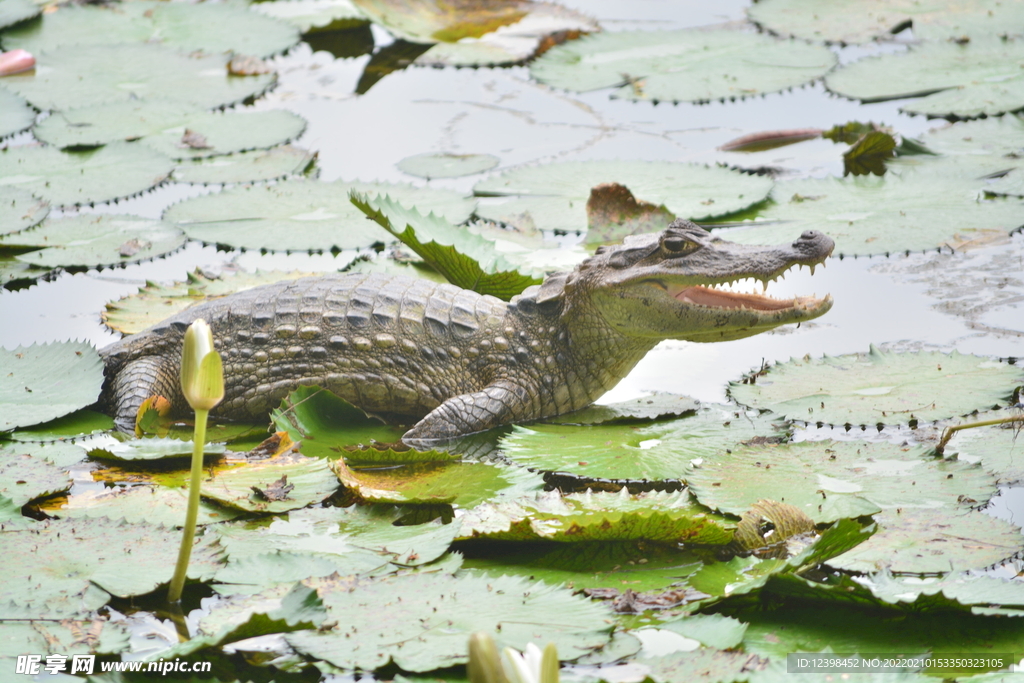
x,y
457,362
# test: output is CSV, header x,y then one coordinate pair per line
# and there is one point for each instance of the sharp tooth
x,y
812,268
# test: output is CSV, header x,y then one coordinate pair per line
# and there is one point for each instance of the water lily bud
x,y
484,664
202,377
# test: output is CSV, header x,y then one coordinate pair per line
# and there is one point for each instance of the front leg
x,y
498,404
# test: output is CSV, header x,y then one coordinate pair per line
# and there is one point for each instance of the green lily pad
x,y
598,516
151,449
712,630
69,637
96,240
464,484
635,452
428,619
313,14
179,130
465,259
831,480
880,388
155,505
12,270
865,215
933,540
65,429
554,196
61,455
185,27
15,11
992,144
156,302
278,484
275,163
963,588
300,214
16,114
704,665
25,477
998,449
976,78
654,407
59,558
446,165
861,21
639,566
86,75
45,381
19,210
689,65
118,170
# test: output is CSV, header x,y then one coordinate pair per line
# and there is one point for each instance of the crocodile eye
x,y
677,245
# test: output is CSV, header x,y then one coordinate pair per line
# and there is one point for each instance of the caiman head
x,y
665,285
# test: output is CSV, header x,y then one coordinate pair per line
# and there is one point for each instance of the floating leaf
x,y
16,114
115,171
704,665
910,211
60,558
12,270
713,630
977,78
613,213
830,480
584,517
861,21
301,214
998,449
137,504
689,65
151,449
653,407
85,75
313,14
156,302
933,540
869,153
428,619
96,240
984,148
277,484
185,27
65,429
554,196
634,452
466,260
446,165
15,11
168,127
880,388
45,381
19,209
762,141
70,637
25,476
246,167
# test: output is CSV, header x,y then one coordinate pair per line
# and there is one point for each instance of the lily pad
x,y
59,558
156,505
156,302
307,15
16,114
428,619
119,170
179,130
998,449
933,540
96,240
446,165
601,516
832,480
275,163
465,259
45,381
653,407
15,11
151,449
880,388
976,78
866,215
185,27
301,215
635,451
19,209
25,477
70,637
278,484
61,455
861,21
704,665
554,196
86,75
689,65
990,145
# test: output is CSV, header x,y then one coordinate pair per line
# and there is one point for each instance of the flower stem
x,y
189,532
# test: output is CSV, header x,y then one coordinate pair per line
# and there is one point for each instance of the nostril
x,y
809,235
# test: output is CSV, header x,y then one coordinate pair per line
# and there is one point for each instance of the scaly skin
x,y
461,361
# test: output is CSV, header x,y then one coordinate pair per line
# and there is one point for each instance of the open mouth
x,y
721,298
